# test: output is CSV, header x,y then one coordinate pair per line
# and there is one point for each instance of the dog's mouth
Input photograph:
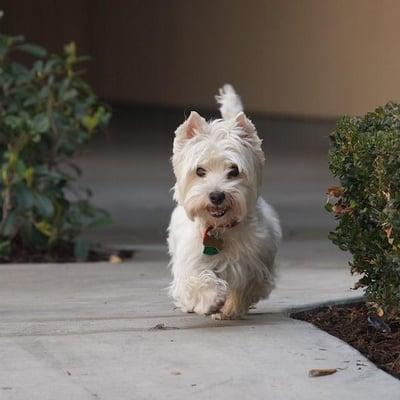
x,y
217,212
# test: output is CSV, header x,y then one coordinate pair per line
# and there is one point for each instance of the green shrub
x,y
365,156
47,112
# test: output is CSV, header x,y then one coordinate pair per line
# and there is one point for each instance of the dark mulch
x,y
350,323
63,253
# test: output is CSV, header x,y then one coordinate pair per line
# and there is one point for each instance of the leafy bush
x,y
47,112
365,156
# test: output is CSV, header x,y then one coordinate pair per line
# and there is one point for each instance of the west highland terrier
x,y
223,236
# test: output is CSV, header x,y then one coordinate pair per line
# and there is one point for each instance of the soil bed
x,y
62,254
350,323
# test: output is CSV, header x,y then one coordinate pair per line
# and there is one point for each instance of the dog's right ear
x,y
191,127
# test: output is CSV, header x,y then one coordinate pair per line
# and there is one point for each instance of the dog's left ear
x,y
192,126
249,135
245,124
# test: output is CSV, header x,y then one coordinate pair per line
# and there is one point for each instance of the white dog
x,y
223,236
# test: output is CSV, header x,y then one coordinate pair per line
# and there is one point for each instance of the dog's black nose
x,y
217,197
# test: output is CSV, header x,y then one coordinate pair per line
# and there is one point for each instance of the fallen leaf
x,y
360,364
176,372
378,309
313,373
380,312
158,327
162,327
114,259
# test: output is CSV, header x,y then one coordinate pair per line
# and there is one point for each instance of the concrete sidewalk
x,y
109,331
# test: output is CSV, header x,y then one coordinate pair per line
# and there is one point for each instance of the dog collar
x,y
212,242
212,239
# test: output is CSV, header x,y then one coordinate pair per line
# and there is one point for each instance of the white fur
x,y
230,104
242,273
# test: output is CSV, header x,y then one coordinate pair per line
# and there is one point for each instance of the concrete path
x,y
109,331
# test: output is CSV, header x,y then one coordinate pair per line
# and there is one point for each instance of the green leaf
x,y
76,170
33,49
90,121
44,227
70,50
34,237
13,121
30,101
4,248
81,249
101,222
29,175
44,205
41,123
49,65
69,94
21,72
8,226
24,197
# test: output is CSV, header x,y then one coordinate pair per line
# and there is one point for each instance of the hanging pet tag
x,y
212,243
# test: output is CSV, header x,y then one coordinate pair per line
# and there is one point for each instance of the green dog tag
x,y
210,251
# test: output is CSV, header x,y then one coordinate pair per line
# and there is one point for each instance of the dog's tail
x,y
229,102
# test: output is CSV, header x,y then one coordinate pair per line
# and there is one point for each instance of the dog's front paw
x,y
234,307
220,316
211,299
223,316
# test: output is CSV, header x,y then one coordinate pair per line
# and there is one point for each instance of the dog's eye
x,y
200,172
234,172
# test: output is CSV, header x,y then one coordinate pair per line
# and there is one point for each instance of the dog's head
x,y
218,166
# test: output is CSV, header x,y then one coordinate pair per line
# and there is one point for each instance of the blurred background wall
x,y
308,58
